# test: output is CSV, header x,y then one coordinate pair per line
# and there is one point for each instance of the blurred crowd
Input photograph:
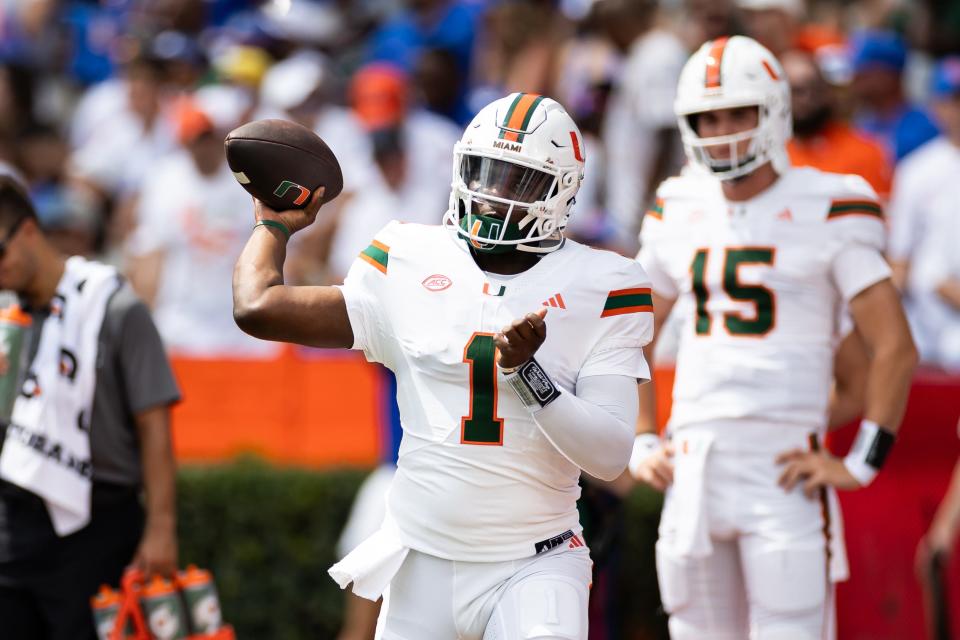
x,y
114,113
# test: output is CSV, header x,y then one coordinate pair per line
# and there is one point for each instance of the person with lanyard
x,y
89,432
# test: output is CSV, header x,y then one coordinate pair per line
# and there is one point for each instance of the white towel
x,y
372,565
839,568
683,525
47,449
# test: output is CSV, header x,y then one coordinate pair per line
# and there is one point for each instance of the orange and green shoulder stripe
x,y
376,255
656,211
624,301
855,207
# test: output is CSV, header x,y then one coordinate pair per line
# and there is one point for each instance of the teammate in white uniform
x,y
766,255
481,538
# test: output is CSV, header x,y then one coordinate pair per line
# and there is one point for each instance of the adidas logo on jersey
x,y
555,301
785,215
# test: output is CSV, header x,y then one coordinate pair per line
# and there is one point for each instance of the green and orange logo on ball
x,y
286,185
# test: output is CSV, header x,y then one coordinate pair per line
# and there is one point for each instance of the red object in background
x,y
317,408
884,522
307,407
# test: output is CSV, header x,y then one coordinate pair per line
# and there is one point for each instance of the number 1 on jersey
x,y
481,425
763,300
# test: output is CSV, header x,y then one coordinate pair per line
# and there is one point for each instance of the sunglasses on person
x,y
6,241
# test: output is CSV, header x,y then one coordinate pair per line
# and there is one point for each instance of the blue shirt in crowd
x,y
905,131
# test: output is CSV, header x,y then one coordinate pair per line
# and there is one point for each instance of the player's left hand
x,y
518,341
815,469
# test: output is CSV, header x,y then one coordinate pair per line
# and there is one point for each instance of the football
x,y
281,163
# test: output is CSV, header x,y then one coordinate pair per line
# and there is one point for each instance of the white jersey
x,y
477,480
640,106
922,179
764,281
200,225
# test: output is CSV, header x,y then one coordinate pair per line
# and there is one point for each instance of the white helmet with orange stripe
x,y
728,73
516,171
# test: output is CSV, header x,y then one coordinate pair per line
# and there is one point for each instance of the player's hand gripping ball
x,y
282,164
518,341
292,219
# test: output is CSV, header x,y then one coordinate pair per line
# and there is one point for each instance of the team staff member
x,y
89,430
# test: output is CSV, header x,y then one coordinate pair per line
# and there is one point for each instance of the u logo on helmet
x,y
286,185
576,147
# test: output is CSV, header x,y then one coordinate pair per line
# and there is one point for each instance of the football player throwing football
x,y
517,354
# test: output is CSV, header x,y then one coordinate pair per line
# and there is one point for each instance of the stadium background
x,y
113,113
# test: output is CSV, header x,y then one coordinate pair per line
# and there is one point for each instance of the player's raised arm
x,y
265,307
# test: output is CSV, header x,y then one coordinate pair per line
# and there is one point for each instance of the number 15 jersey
x,y
762,283
477,480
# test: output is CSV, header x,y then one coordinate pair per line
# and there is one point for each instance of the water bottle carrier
x,y
131,611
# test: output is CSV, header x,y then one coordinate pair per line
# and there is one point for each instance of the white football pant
x,y
539,598
757,567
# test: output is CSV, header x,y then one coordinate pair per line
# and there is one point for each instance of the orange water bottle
x,y
163,610
14,332
203,605
106,608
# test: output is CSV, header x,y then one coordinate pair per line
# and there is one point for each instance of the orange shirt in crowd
x,y
841,149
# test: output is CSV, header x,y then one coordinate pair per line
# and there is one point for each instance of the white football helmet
x,y
516,171
735,72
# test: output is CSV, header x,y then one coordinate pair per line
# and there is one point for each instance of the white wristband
x,y
644,446
860,470
869,452
532,384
